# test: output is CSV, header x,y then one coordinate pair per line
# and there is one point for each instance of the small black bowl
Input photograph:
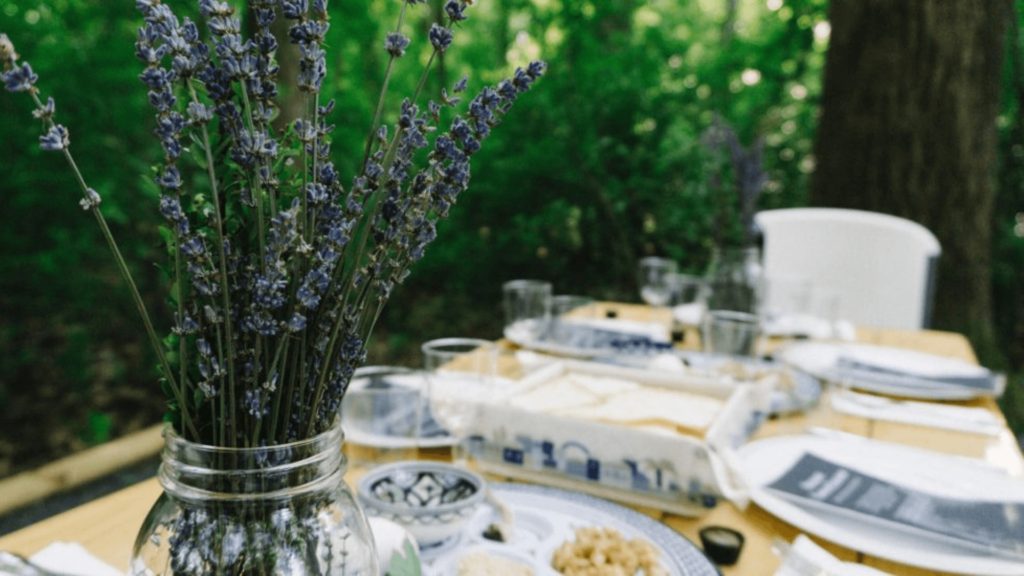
x,y
721,544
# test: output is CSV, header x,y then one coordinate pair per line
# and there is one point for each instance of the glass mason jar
x,y
256,511
734,279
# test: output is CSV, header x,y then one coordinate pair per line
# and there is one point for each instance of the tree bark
x,y
908,127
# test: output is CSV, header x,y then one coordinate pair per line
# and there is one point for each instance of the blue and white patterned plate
x,y
546,517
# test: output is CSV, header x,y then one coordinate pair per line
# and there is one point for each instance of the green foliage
x,y
601,165
61,299
99,428
604,164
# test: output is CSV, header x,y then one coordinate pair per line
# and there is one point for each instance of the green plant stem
x,y
321,385
383,94
122,266
182,339
305,174
257,192
224,284
316,157
223,431
290,390
278,392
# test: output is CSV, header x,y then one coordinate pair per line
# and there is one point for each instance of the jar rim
x,y
334,433
199,472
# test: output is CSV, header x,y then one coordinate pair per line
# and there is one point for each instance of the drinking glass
x,y
382,415
734,277
569,313
460,373
689,303
688,298
730,333
654,274
527,309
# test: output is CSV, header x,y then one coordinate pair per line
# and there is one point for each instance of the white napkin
x,y
814,327
799,325
950,417
805,558
72,558
689,314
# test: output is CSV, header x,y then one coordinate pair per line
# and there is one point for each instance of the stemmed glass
x,y
460,373
655,284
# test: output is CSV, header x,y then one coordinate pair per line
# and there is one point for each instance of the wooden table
x,y
107,526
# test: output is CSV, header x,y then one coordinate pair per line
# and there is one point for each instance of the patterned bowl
x,y
432,500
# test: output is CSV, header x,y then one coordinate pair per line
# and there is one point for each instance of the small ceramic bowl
x,y
432,500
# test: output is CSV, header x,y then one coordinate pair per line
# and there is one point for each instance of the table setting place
x,y
658,425
615,438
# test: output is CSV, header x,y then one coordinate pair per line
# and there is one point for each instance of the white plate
x,y
365,438
641,339
762,462
820,360
547,517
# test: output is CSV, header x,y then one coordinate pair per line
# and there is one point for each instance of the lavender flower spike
x,y
20,79
91,200
395,44
56,139
7,49
280,271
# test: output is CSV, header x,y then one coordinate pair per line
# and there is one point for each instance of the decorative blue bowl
x,y
432,500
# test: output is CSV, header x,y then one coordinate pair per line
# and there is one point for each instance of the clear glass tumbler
x,y
460,375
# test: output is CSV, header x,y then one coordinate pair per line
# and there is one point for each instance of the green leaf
x,y
171,341
175,294
408,565
198,156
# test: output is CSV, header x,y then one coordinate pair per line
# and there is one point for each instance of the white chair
x,y
881,267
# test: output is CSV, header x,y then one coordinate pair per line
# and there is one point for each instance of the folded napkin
x,y
913,370
799,325
73,559
689,314
805,558
950,417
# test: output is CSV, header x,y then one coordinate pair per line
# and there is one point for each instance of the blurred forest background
x,y
599,166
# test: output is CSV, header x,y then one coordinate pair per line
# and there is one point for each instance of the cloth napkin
x,y
914,371
959,418
73,559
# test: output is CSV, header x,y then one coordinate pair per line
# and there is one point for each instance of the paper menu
x,y
992,526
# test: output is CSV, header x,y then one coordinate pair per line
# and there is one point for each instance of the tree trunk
x,y
908,127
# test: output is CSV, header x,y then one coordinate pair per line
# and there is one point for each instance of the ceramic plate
x,y
820,360
547,517
764,461
590,338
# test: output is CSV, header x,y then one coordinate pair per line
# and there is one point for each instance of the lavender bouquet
x,y
281,266
749,178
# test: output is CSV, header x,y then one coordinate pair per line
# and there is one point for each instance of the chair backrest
x,y
881,267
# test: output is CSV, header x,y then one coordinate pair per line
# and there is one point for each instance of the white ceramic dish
x,y
762,462
434,501
547,517
635,338
821,360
